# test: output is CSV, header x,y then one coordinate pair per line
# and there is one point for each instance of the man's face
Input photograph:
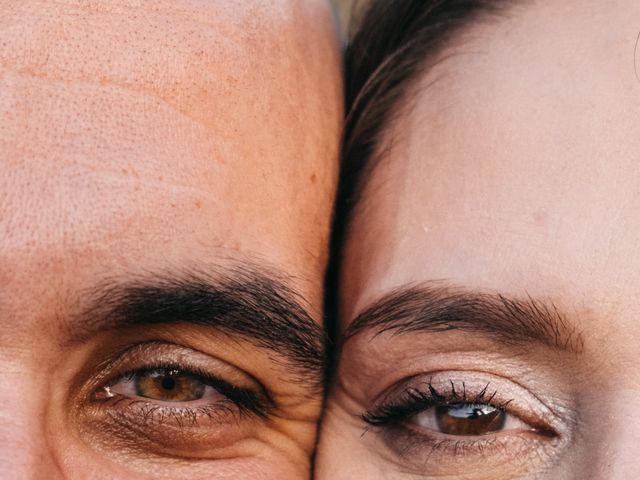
x,y
167,176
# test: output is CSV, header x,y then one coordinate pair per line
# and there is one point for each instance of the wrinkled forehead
x,y
213,62
179,113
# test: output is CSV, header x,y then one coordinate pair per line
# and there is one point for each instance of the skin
x,y
136,139
512,170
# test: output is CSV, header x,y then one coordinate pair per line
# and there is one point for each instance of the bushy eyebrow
x,y
437,307
245,301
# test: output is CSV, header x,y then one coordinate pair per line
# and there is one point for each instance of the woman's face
x,y
491,278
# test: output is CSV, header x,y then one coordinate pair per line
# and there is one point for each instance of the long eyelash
x,y
415,400
247,401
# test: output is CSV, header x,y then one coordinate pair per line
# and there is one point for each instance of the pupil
x,y
168,383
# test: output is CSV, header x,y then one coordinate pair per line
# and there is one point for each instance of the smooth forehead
x,y
167,121
514,164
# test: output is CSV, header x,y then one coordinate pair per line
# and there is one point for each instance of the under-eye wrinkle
x,y
170,400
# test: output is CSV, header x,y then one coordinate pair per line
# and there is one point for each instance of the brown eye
x,y
168,385
164,385
469,419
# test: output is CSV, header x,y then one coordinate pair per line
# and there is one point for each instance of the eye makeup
x,y
456,416
415,400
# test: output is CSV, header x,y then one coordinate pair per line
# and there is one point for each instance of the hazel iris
x,y
169,385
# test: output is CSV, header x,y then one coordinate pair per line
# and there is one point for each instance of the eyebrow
x,y
437,307
247,301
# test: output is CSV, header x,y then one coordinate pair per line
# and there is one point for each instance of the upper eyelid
x,y
169,354
557,410
261,404
424,398
163,354
554,419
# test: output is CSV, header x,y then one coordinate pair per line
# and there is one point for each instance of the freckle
x,y
198,204
313,178
539,219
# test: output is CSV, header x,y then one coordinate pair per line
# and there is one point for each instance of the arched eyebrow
x,y
435,307
246,301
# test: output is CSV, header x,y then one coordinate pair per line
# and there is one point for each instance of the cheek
x,y
80,462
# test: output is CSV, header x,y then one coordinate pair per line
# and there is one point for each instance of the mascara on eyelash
x,y
415,400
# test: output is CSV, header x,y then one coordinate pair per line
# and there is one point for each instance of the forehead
x,y
128,127
514,166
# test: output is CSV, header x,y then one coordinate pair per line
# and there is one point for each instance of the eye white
x,y
126,387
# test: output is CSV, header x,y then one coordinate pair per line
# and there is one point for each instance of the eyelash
x,y
237,400
415,400
391,420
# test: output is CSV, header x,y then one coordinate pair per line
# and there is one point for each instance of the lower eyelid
x,y
136,413
144,428
432,454
480,446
